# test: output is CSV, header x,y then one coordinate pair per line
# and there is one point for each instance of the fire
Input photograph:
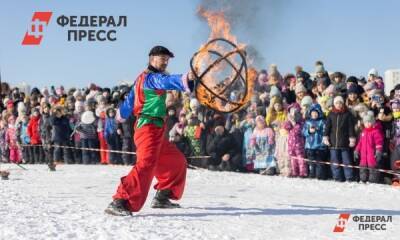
x,y
231,89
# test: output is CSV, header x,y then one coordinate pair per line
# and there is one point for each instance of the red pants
x,y
103,146
156,156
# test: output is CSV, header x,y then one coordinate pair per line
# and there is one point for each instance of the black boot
x,y
52,167
161,200
118,207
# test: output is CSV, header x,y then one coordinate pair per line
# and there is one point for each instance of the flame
x,y
221,28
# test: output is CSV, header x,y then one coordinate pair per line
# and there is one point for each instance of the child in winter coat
x,y
369,149
395,144
101,114
46,133
3,148
313,131
78,110
191,132
12,141
276,117
294,126
24,139
262,147
247,127
34,135
112,137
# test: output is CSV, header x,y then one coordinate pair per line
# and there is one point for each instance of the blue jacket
x,y
24,134
314,140
110,129
147,95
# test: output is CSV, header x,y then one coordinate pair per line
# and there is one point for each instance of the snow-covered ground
x,y
69,204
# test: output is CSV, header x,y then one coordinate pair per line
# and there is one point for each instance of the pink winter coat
x,y
371,140
295,138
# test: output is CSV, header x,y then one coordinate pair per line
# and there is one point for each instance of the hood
x,y
315,107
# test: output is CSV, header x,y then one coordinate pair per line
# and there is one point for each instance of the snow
x,y
69,204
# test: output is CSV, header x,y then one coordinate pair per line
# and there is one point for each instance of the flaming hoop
x,y
208,94
223,79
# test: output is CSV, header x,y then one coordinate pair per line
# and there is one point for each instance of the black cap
x,y
352,79
160,50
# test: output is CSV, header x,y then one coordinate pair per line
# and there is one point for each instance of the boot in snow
x,y
52,167
161,200
118,207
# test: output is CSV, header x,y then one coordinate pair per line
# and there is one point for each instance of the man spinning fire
x,y
156,156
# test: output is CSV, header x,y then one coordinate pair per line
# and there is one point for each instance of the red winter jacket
x,y
33,130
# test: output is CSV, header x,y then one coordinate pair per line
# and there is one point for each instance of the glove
x,y
352,142
325,140
378,156
357,157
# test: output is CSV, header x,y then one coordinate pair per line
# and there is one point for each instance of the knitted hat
x,y
330,90
10,104
338,99
300,88
369,117
274,92
306,101
319,69
373,71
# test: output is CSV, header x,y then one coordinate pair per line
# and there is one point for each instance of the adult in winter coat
x,y
313,131
156,156
339,135
224,152
61,135
87,130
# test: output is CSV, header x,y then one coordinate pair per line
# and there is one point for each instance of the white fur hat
x,y
21,107
88,117
373,71
194,103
